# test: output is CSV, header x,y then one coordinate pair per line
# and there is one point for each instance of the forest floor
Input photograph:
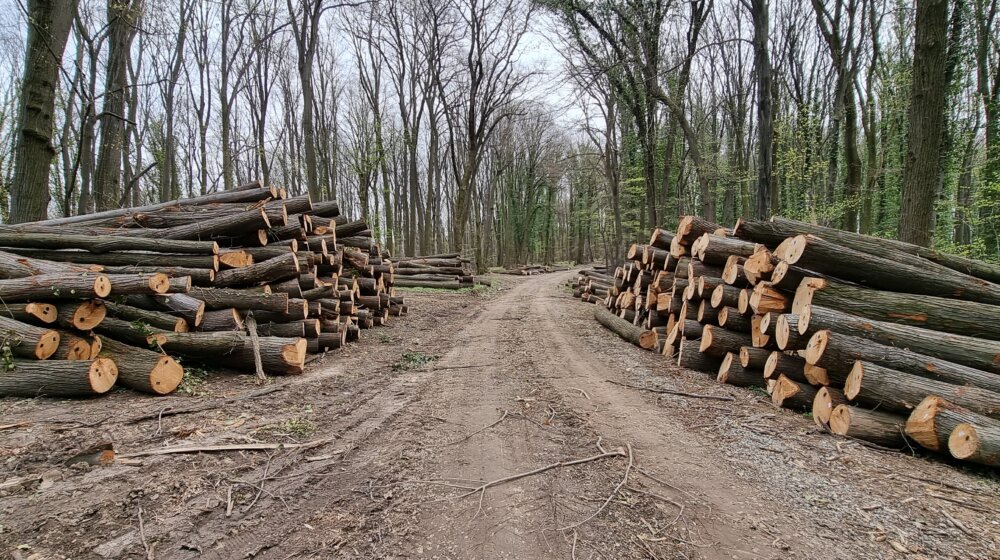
x,y
469,388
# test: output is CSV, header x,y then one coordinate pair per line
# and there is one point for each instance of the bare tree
x,y
49,23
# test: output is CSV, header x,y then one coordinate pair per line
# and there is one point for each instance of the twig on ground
x,y
628,470
229,500
142,536
480,430
481,489
260,489
234,447
582,392
207,405
15,425
675,393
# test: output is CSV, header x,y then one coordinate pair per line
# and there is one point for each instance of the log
x,y
271,270
733,273
759,339
691,228
223,298
44,313
142,259
732,373
779,363
636,335
82,316
826,399
688,356
706,313
759,267
838,352
58,378
874,426
661,238
130,284
976,443
731,320
447,285
966,350
71,347
894,391
198,276
234,349
293,329
251,192
790,394
151,317
817,375
143,370
55,286
181,305
104,243
19,266
937,314
133,333
27,341
725,296
717,341
934,419
754,358
766,299
716,250
786,333
780,228
221,320
219,226
816,254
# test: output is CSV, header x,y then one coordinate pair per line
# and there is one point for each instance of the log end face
x,y
921,425
89,314
102,286
706,338
166,376
727,362
295,355
44,312
804,315
840,420
47,345
964,441
817,346
647,340
822,408
102,375
771,364
855,380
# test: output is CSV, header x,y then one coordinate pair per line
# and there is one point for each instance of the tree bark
x,y
966,350
55,286
838,353
636,335
11,237
143,370
922,166
874,426
937,314
49,23
894,391
58,378
235,350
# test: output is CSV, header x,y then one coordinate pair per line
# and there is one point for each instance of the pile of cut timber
x,y
248,280
881,340
530,270
446,272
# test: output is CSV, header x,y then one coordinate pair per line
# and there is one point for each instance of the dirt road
x,y
398,448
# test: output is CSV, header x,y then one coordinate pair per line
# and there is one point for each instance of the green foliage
x,y
412,360
195,382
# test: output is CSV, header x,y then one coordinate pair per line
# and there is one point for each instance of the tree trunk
x,y
222,298
103,244
922,167
28,341
787,393
636,335
49,23
235,350
934,420
44,313
688,356
150,317
717,341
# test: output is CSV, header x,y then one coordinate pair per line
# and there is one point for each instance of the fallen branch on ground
x,y
217,448
669,392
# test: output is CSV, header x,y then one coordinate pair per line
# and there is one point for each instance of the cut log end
x,y
44,312
89,314
102,286
921,425
102,375
47,344
295,354
854,380
166,376
816,346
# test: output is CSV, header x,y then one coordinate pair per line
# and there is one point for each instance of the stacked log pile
x,y
445,272
249,280
879,340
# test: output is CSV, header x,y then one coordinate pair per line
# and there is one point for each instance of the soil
x,y
400,429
